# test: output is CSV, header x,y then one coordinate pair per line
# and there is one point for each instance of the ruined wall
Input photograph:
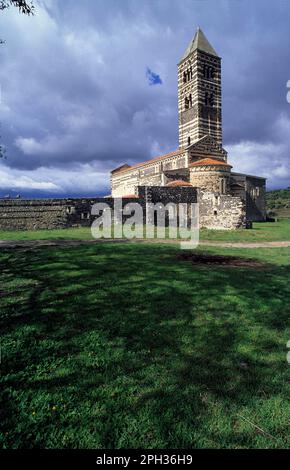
x,y
36,214
222,212
18,214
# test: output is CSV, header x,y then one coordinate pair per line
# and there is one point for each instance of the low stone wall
x,y
18,214
36,214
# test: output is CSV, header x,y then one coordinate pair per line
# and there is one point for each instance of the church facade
x,y
227,199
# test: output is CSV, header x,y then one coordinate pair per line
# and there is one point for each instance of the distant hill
x,y
278,203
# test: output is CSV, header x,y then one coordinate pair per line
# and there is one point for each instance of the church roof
x,y
175,183
199,42
124,168
209,162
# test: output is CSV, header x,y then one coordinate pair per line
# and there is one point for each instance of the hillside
x,y
278,202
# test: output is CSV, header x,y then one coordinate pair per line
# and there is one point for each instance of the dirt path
x,y
65,242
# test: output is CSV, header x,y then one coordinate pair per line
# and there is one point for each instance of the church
x,y
227,199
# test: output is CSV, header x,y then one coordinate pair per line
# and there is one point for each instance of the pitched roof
x,y
175,183
209,162
201,43
119,168
156,159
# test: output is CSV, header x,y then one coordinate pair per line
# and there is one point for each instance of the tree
x,y
24,7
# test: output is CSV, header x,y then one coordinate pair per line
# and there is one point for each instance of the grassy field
x,y
268,231
115,346
261,231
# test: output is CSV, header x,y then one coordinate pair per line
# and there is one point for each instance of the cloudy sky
x,y
88,85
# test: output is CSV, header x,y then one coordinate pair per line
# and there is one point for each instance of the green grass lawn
x,y
117,345
261,232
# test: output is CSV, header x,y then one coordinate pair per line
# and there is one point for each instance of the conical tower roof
x,y
201,43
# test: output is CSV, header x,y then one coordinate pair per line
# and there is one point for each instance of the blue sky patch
x,y
153,78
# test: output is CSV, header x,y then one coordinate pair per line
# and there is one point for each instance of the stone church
x,y
197,172
227,199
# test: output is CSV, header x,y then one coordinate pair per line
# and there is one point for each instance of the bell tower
x,y
199,92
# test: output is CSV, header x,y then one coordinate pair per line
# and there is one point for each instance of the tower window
x,y
188,102
209,99
190,73
208,72
187,75
188,140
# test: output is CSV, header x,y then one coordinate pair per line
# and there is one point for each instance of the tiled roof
x,y
209,162
174,183
119,168
156,159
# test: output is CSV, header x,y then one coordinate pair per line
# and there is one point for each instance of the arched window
x,y
208,99
187,75
208,72
188,102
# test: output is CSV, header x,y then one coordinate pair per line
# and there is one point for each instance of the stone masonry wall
x,y
36,214
209,180
18,214
216,211
166,195
256,199
221,211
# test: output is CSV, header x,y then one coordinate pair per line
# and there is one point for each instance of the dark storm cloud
x,y
76,101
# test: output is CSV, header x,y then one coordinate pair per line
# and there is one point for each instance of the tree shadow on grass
x,y
157,343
